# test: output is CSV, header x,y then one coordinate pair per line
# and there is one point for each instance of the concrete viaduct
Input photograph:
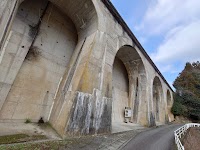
x,y
76,64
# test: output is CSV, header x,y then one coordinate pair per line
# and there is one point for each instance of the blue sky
x,y
169,30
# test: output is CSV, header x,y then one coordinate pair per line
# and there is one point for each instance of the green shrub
x,y
27,120
178,109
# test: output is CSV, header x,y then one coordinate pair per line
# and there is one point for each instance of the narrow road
x,y
161,138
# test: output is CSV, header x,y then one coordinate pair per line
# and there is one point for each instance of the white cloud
x,y
178,23
182,44
163,15
173,31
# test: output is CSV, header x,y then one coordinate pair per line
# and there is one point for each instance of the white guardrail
x,y
180,132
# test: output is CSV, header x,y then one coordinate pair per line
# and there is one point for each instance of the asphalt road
x,y
161,138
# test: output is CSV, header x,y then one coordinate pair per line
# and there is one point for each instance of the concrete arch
x,y
120,89
169,98
82,13
157,90
169,106
135,95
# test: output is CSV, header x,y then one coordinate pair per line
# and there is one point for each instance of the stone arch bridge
x,y
76,64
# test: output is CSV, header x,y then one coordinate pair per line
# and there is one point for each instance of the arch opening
x,y
120,90
157,98
169,99
129,85
169,106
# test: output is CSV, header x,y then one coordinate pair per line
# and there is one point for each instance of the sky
x,y
169,31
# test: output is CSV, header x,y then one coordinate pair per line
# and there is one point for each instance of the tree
x,y
187,96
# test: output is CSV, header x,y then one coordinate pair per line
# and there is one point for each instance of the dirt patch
x,y
191,140
181,119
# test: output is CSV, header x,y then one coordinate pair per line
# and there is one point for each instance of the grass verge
x,y
19,138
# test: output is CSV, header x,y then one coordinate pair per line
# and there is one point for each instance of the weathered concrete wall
x,y
82,13
31,95
16,48
7,13
70,83
91,114
66,97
